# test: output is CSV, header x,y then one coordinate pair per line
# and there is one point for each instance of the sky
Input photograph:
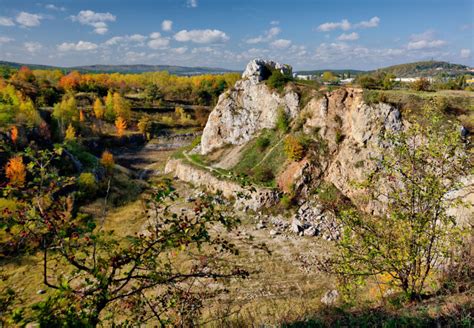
x,y
317,34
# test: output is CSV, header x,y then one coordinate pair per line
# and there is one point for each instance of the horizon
x,y
217,68
179,32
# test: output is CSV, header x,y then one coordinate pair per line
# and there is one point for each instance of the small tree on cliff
x,y
414,182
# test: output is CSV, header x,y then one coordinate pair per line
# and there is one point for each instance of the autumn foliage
x,y
14,134
107,160
121,126
15,171
293,148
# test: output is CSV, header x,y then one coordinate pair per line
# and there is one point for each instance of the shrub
x,y
87,183
421,84
262,142
278,80
368,82
144,126
293,148
264,175
282,123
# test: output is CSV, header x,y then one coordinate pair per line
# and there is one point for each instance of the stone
x,y
41,291
273,233
260,225
296,226
311,231
330,297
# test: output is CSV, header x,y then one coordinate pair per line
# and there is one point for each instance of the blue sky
x,y
359,34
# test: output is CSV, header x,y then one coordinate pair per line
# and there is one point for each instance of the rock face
x,y
247,108
258,70
262,197
351,129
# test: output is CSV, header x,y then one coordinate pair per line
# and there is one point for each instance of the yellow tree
x,y
121,126
98,109
70,133
15,171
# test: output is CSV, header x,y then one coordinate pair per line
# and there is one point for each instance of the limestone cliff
x,y
247,108
349,129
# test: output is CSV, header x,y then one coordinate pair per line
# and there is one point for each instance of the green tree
x,y
416,175
329,77
121,107
66,112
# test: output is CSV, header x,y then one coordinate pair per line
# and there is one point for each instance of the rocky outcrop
x,y
247,108
261,197
258,70
351,130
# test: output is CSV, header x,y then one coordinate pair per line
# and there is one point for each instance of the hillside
x,y
139,68
425,68
352,72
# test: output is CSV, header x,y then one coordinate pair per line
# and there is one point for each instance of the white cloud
x,y
201,36
343,25
28,20
114,40
179,50
97,20
5,39
281,44
425,44
465,53
32,46
348,36
266,37
192,3
373,22
274,22
54,7
157,41
425,40
166,25
6,21
79,46
137,38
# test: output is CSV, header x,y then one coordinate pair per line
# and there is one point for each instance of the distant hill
x,y
353,72
425,68
177,70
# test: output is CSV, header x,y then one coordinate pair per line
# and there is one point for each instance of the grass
x,y
253,157
457,105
